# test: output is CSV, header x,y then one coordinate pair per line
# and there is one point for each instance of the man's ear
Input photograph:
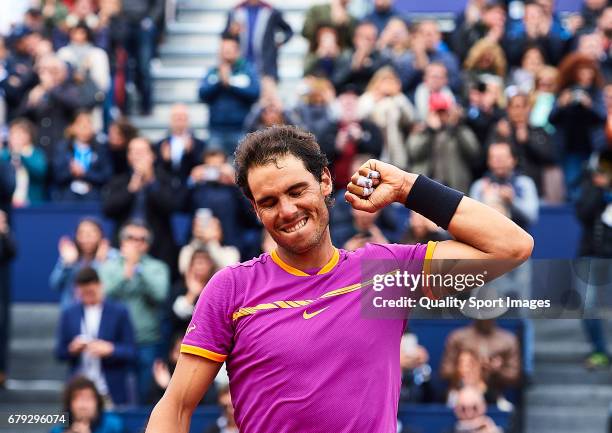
x,y
326,182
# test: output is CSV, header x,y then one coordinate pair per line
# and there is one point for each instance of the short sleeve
x,y
210,333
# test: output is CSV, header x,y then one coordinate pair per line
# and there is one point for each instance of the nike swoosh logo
x,y
311,315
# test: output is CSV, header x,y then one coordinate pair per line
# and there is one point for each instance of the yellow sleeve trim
x,y
429,252
209,354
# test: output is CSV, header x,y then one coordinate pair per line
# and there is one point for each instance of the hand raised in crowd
x,y
36,94
68,251
131,255
503,128
103,250
165,151
4,227
161,374
225,73
506,193
522,132
100,348
76,169
77,345
211,232
194,287
328,46
339,14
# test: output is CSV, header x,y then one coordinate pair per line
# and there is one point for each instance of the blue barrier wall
x,y
38,230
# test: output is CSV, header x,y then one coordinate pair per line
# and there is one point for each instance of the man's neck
x,y
315,258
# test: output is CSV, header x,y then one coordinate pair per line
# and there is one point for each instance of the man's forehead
x,y
277,175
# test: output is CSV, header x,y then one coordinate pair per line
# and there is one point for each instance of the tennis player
x,y
300,355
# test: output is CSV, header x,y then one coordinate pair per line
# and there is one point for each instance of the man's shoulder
x,y
248,265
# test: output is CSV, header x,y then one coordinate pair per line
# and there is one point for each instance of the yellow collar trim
x,y
299,273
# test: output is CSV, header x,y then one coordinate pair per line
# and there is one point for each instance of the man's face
x,y
290,203
136,237
500,160
179,119
139,152
230,51
382,5
90,293
365,37
518,109
348,106
430,34
435,78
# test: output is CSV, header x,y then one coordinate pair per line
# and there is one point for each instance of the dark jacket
x,y
115,327
52,114
596,235
269,24
136,10
227,204
7,185
345,76
228,106
188,161
161,199
96,176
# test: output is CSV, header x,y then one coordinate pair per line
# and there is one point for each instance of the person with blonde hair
x,y
384,104
485,57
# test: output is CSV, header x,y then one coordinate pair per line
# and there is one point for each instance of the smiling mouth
x,y
295,227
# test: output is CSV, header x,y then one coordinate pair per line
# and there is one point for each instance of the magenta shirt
x,y
301,355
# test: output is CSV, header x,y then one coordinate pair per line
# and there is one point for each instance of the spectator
x,y
593,211
85,408
53,103
262,31
394,42
29,162
426,46
226,422
89,63
421,230
416,371
384,104
143,18
590,12
212,186
435,81
7,253
120,133
532,62
229,90
383,12
470,411
315,112
96,337
596,46
579,115
268,112
200,268
485,57
537,30
356,67
333,13
207,234
147,193
80,165
321,61
515,195
543,98
142,283
347,137
483,110
534,147
480,19
20,75
468,373
180,151
88,248
445,149
498,351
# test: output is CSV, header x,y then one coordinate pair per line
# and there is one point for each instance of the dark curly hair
x,y
267,145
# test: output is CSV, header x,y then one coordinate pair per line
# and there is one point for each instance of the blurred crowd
x,y
513,107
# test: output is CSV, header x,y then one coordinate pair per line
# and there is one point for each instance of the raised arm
x,y
190,381
481,234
